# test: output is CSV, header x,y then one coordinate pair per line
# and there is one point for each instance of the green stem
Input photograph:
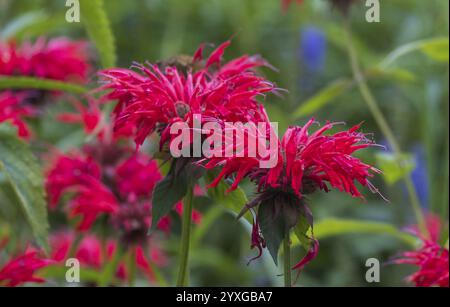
x,y
287,260
131,264
382,123
182,280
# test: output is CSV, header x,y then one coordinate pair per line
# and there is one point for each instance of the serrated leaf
x,y
395,167
323,97
95,20
39,83
25,176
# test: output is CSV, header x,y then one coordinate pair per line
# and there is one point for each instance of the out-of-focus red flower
x,y
81,175
89,116
285,4
431,258
137,176
58,59
11,110
23,268
121,188
91,253
153,99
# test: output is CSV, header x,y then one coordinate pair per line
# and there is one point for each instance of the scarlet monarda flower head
x,y
306,162
153,98
431,258
58,59
12,111
22,269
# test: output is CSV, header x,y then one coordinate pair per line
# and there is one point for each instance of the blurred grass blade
x,y
23,172
325,96
22,23
41,84
333,227
208,220
395,167
97,25
435,48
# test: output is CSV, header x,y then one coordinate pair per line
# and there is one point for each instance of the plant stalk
x,y
287,260
382,124
182,280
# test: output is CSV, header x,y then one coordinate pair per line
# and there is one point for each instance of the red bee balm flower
x,y
22,269
11,110
305,163
154,99
58,59
431,258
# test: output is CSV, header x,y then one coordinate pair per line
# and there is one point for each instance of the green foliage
x,y
182,176
435,48
23,172
332,227
21,23
277,217
323,97
42,84
395,167
233,201
97,25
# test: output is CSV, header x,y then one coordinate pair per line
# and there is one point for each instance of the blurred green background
x,y
307,45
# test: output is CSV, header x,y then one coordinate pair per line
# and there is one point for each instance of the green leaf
x,y
395,167
395,74
323,97
334,227
435,48
233,201
277,216
169,191
97,25
25,176
38,83
21,23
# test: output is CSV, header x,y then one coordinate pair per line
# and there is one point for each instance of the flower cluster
x,y
57,59
431,258
22,269
306,163
154,98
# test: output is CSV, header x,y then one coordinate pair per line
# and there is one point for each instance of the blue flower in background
x,y
312,49
419,175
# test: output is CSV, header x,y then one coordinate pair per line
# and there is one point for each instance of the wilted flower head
x,y
154,98
23,268
431,258
306,162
